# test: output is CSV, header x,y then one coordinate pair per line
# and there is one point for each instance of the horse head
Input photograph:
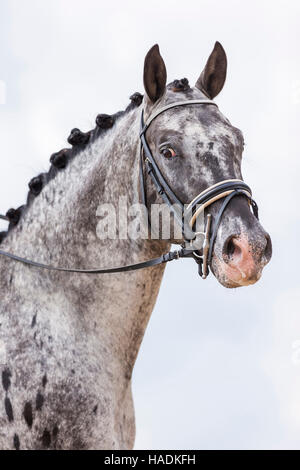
x,y
196,147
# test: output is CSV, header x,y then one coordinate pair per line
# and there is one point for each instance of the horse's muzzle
x,y
242,259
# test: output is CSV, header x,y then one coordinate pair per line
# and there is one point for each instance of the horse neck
x,y
59,228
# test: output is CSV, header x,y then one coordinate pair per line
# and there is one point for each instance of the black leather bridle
x,y
226,190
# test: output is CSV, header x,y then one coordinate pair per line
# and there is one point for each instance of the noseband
x,y
185,216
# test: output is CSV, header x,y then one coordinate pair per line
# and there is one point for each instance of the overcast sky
x,y
218,368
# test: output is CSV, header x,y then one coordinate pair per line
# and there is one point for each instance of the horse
x,y
69,340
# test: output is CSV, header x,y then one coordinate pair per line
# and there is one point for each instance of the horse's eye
x,y
168,152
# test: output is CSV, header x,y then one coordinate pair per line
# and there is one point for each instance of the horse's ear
x,y
213,77
155,74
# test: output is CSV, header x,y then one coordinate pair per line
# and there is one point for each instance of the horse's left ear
x,y
155,74
213,77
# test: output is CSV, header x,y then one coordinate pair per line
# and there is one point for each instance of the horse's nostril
x,y
268,247
231,249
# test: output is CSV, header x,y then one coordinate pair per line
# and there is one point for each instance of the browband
x,y
170,106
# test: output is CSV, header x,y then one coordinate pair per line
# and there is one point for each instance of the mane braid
x,y
60,160
179,85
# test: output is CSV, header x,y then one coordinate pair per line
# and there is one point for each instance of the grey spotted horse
x,y
69,341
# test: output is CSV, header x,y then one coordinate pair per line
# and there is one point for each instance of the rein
x,y
226,190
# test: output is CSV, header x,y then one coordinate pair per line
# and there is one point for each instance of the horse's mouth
x,y
234,278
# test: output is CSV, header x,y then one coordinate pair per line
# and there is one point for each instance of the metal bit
x,y
206,247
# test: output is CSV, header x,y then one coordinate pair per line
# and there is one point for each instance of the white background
x,y
217,368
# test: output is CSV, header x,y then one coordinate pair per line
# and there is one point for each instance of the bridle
x,y
226,190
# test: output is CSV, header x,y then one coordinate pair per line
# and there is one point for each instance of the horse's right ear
x,y
213,77
155,74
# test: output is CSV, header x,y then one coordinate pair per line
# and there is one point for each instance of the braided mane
x,y
59,160
78,141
